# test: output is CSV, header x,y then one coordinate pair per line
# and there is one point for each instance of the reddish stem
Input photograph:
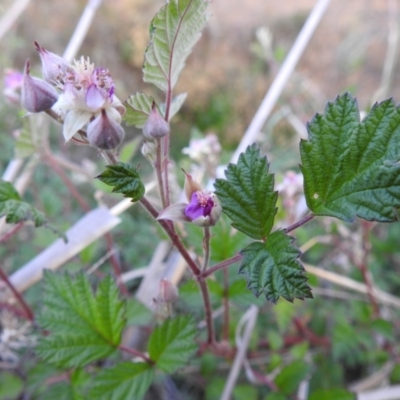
x,y
18,296
173,236
176,241
116,265
48,157
300,223
226,305
159,170
136,353
207,310
222,265
12,232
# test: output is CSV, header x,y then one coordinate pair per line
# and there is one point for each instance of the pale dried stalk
x,y
249,320
281,79
381,296
12,15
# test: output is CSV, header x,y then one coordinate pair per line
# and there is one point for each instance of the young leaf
x,y
273,268
174,31
16,210
247,195
125,179
173,343
138,108
350,168
125,380
83,326
176,105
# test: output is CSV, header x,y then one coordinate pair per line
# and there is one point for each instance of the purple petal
x,y
195,209
94,98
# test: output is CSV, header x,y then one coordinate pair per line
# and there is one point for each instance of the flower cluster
x,y
86,98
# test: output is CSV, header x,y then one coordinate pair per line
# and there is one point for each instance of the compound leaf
x,y
351,168
173,32
83,326
125,380
125,179
173,343
273,268
247,195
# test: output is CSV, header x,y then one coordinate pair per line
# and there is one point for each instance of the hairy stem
x,y
225,333
159,166
206,247
176,241
18,296
207,309
168,100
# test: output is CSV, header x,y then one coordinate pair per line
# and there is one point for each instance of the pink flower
x,y
87,98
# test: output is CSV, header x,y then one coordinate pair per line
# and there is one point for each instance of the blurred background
x,y
354,48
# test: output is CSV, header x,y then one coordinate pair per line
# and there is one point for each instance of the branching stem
x,y
136,353
222,265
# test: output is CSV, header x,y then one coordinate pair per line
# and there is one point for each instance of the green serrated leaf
x,y
138,108
247,195
173,343
273,268
173,33
125,179
16,210
84,326
123,381
350,168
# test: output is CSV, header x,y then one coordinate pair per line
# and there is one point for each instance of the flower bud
x,y
168,291
37,95
190,185
53,66
103,132
155,127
